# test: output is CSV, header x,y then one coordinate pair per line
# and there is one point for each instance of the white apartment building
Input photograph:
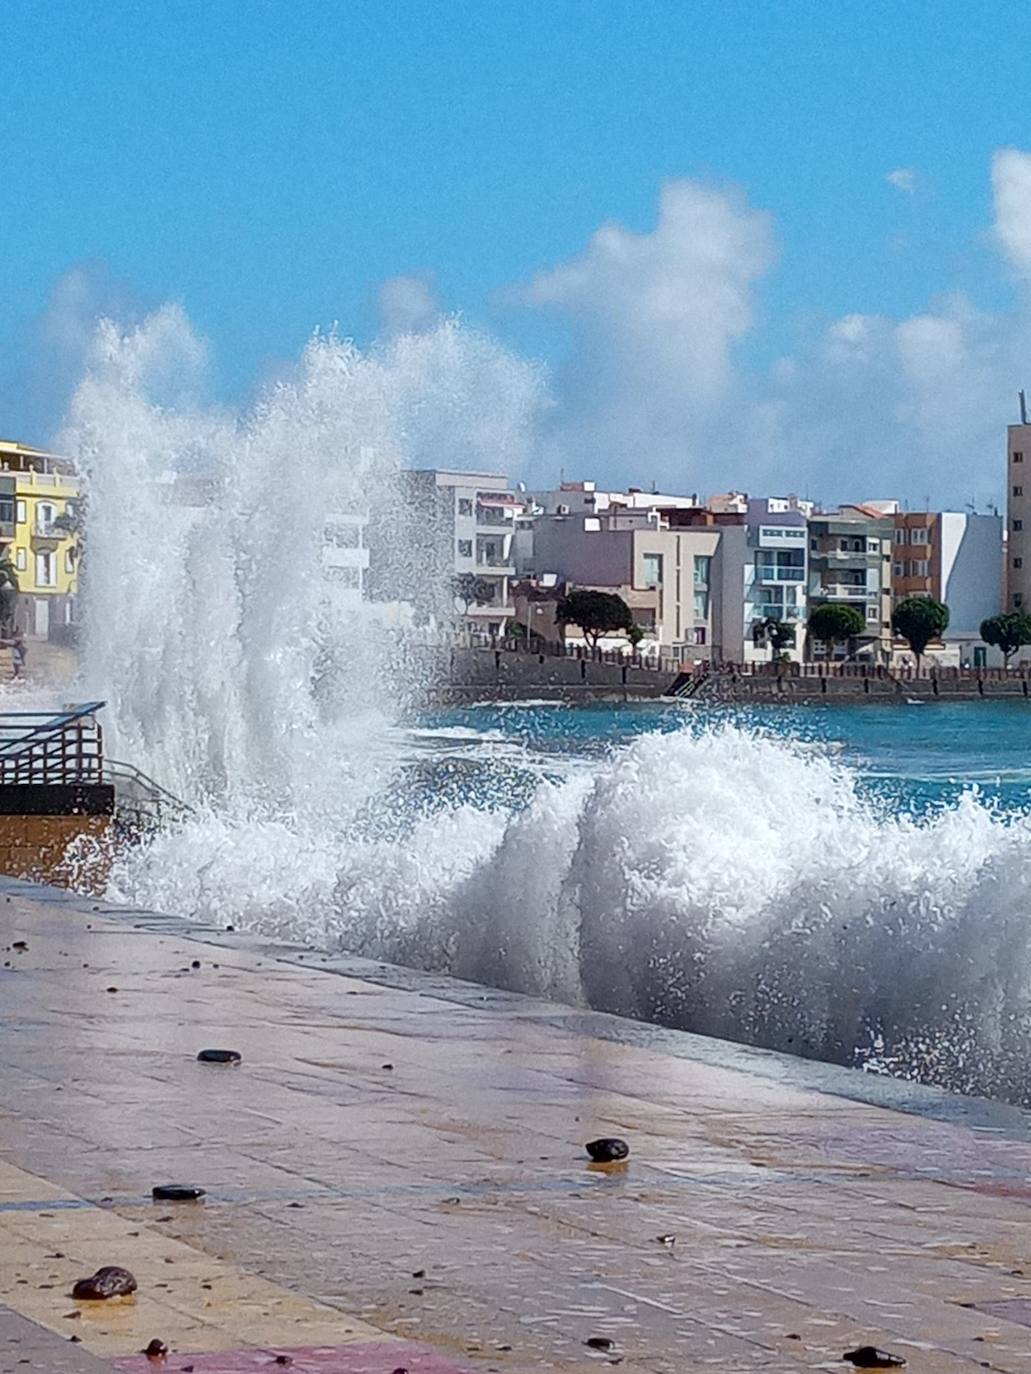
x,y
458,534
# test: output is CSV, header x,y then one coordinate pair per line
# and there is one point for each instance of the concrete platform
x,y
396,1180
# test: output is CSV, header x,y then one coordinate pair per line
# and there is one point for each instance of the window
x,y
652,569
701,605
872,613
7,510
701,571
918,536
45,513
900,569
1017,491
21,512
19,560
1018,562
873,546
465,548
1018,598
1018,457
69,560
1018,525
465,506
698,635
46,570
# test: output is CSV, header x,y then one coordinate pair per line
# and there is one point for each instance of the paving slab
x,y
395,1177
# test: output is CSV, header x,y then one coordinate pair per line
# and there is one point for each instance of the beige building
x,y
1018,517
679,569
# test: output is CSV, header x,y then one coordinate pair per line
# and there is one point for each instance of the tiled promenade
x,y
396,1181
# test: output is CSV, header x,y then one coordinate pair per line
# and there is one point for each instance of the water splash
x,y
717,880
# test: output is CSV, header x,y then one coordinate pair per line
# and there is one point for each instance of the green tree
x,y
635,634
472,590
1008,632
919,619
778,635
836,624
596,613
8,591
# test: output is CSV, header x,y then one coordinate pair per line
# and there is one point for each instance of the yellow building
x,y
38,498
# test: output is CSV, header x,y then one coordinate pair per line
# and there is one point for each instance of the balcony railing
x,y
486,515
847,591
772,572
46,529
498,563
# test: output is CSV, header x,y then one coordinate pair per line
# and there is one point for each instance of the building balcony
x,y
495,567
846,591
773,574
46,529
774,611
494,519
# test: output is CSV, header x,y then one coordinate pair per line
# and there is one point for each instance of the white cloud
x,y
655,318
1011,187
407,305
903,179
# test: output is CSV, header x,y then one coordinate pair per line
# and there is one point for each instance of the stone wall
x,y
38,822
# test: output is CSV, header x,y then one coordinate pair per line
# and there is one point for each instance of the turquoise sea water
x,y
912,757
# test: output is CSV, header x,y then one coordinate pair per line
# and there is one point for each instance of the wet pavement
x,y
395,1177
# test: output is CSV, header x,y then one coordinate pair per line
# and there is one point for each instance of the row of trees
x,y
919,620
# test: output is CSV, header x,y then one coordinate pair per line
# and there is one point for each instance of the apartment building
x,y
679,569
850,563
453,527
1018,516
775,573
955,557
38,496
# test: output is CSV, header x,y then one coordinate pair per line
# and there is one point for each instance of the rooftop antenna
x,y
1023,406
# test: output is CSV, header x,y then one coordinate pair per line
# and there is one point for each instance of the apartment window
x,y
1017,491
701,571
46,570
19,560
652,569
465,505
45,513
69,560
21,512
1018,457
1018,562
872,613
7,510
698,635
701,605
465,548
918,536
873,546
900,569
1017,524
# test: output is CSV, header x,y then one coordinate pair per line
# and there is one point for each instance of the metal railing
x,y
55,748
52,747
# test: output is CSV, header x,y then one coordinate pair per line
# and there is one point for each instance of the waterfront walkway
x,y
396,1180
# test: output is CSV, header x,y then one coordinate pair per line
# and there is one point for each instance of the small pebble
x,y
388,1066
110,1281
20,945
869,1357
110,989
599,1342
607,1150
219,1057
195,964
419,1274
176,1192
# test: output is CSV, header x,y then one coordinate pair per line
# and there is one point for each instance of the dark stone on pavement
x,y
599,1342
869,1357
176,1192
110,1281
157,1350
607,1150
219,1057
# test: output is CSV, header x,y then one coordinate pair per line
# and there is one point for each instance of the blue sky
x,y
268,164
